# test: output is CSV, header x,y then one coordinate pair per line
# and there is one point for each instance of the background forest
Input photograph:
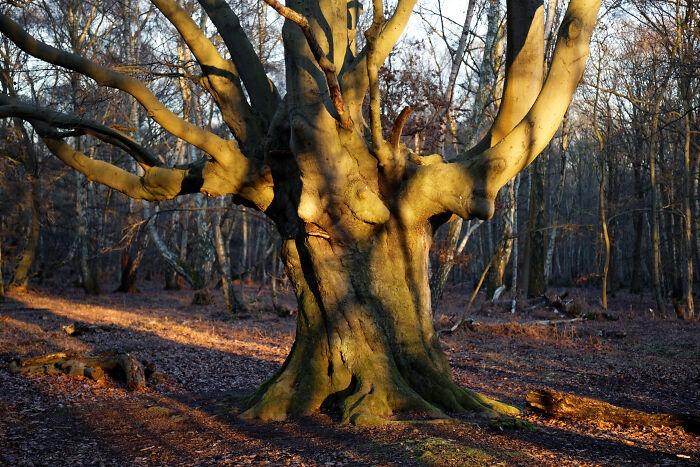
x,y
614,200
133,332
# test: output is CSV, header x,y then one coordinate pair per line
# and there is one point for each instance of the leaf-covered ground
x,y
203,360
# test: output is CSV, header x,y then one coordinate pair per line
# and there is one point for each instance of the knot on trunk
x,y
365,204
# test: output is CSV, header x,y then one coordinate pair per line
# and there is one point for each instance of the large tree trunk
x,y
365,345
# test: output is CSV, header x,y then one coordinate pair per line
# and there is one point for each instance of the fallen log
x,y
96,367
78,329
568,406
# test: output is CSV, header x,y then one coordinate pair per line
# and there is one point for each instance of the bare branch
x,y
220,77
223,151
12,108
354,79
324,63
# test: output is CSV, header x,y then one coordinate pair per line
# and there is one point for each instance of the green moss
x,y
436,451
511,423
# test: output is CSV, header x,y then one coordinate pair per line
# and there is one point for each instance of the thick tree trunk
x,y
365,346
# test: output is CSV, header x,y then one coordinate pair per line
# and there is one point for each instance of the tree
x,y
355,209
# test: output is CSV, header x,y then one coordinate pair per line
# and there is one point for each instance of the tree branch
x,y
263,94
223,151
469,186
157,183
525,55
354,79
220,77
381,151
322,60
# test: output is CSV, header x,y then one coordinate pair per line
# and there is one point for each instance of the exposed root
x,y
366,400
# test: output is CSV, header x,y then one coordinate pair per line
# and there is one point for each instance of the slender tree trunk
x,y
455,247
605,237
87,274
687,222
514,286
638,224
535,248
2,277
130,265
655,234
559,192
233,303
505,246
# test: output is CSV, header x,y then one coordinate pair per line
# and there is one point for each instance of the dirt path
x,y
188,415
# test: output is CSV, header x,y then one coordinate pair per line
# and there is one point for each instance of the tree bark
x,y
24,266
365,346
534,280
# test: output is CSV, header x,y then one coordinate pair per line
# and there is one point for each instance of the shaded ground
x,y
188,415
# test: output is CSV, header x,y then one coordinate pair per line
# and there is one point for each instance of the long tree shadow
x,y
192,416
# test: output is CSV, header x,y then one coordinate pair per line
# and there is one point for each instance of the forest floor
x,y
186,416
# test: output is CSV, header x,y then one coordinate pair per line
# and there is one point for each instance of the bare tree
x,y
356,210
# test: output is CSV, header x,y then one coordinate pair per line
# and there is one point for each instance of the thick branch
x,y
324,63
468,187
524,69
157,183
263,94
222,150
220,76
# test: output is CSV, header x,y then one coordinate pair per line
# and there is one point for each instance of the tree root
x,y
368,400
94,367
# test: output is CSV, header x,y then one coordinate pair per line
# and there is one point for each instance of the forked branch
x,y
263,94
469,186
220,77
